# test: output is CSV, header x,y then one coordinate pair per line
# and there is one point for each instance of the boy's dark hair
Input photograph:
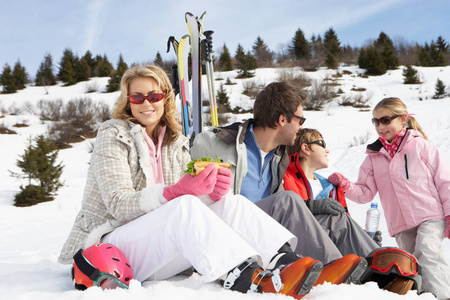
x,y
277,98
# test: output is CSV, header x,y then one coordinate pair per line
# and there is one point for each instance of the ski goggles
x,y
108,281
393,261
321,143
301,120
386,120
152,98
101,279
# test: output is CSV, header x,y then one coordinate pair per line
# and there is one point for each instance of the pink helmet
x,y
101,265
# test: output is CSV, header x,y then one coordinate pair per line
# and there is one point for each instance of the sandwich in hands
x,y
196,166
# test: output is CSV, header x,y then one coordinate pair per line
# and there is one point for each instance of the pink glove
x,y
199,185
447,229
339,180
223,184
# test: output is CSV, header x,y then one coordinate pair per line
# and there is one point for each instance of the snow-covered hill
x,y
32,237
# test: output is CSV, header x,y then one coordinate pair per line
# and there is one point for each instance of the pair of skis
x,y
181,74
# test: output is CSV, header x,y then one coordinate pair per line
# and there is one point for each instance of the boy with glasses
x,y
309,154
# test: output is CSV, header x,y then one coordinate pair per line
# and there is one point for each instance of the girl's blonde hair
x,y
170,116
305,135
396,107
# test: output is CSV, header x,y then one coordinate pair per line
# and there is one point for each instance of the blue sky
x,y
138,29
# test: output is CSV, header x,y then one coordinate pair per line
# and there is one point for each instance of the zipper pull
x,y
406,167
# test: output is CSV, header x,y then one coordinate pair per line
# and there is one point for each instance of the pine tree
x,y
300,47
44,75
436,56
387,50
362,59
411,76
38,164
105,68
81,69
225,62
222,98
424,53
90,61
262,53
158,60
245,62
331,42
66,68
114,81
442,45
20,76
374,62
440,89
7,80
331,61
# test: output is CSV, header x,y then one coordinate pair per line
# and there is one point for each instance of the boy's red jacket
x,y
296,181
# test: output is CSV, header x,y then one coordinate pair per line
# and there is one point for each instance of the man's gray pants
x,y
323,237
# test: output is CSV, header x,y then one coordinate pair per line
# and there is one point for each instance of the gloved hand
x,y
325,206
339,180
447,229
377,238
223,184
199,185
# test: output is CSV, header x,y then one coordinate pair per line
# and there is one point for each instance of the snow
x,y
32,237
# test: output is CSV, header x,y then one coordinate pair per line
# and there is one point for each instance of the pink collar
x,y
391,148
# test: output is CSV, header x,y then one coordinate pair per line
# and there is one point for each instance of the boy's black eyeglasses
x,y
321,143
152,98
301,120
386,120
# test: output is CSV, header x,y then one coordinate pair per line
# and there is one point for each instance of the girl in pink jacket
x,y
413,180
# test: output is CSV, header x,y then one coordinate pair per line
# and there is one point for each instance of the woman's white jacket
x,y
118,188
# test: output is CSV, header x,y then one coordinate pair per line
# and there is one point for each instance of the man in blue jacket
x,y
256,150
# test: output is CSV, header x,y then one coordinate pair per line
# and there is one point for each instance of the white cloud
x,y
93,27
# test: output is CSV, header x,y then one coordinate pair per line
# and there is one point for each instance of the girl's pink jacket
x,y
414,185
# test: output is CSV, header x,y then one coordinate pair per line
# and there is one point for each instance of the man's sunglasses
x,y
321,143
301,120
386,120
152,98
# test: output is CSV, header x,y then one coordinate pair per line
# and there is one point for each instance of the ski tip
x,y
188,14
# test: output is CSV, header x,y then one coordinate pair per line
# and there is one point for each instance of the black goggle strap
x,y
85,266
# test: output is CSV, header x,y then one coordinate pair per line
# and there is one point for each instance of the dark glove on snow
x,y
377,238
325,206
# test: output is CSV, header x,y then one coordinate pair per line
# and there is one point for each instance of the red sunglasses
x,y
152,98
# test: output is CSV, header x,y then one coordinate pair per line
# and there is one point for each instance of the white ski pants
x,y
425,243
185,232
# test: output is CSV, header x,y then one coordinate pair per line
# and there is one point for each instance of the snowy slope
x,y
32,237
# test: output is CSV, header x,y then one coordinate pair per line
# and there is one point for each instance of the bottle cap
x,y
374,205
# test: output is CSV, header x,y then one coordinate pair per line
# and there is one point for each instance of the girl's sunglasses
x,y
321,143
152,98
386,120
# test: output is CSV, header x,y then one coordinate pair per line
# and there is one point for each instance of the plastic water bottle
x,y
372,219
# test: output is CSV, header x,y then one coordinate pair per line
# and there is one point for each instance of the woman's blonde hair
x,y
305,135
396,107
170,116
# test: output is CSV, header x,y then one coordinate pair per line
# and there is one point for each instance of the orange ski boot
x,y
347,269
295,279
